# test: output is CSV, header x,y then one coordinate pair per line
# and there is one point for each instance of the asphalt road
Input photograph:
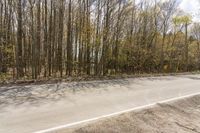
x,y
27,109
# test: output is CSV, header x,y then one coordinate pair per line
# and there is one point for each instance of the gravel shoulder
x,y
182,116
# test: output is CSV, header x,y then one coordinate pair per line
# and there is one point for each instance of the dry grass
x,y
182,116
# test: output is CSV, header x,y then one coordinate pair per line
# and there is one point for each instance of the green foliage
x,y
178,20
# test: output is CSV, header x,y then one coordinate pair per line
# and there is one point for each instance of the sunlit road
x,y
29,111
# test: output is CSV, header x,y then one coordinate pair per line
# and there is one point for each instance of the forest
x,y
68,38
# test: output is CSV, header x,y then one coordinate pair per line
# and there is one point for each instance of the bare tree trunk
x,y
20,72
97,39
105,38
69,40
38,44
45,39
33,40
116,51
88,37
162,50
186,47
60,37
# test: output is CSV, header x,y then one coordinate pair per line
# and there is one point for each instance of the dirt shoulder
x,y
182,116
9,83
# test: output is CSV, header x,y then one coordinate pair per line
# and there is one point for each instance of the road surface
x,y
33,108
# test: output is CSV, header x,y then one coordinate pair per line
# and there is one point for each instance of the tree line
x,y
58,38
